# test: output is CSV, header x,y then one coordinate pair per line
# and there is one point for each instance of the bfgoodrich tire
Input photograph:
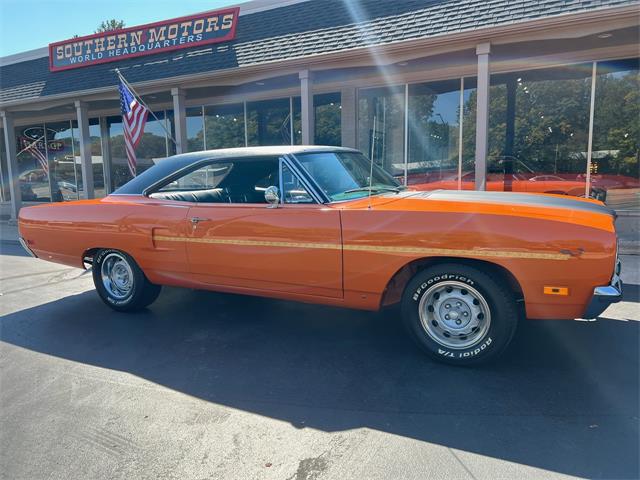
x,y
458,314
120,283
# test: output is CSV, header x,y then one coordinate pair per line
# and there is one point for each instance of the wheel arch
x,y
88,254
398,282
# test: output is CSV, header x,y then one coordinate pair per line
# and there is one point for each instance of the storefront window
x,y
97,158
119,170
468,153
296,105
5,194
170,126
268,122
616,134
153,146
195,129
327,120
434,132
538,130
97,161
381,128
33,166
64,174
327,110
224,126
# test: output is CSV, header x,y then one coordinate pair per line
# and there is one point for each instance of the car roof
x,y
167,166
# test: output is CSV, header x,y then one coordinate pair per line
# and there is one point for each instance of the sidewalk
x,y
628,227
8,233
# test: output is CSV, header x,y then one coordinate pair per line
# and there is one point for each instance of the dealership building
x,y
537,96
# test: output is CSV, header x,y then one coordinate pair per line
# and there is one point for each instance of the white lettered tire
x,y
121,283
459,314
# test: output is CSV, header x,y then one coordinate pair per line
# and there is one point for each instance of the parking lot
x,y
205,385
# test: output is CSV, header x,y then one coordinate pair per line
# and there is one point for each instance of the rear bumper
x,y
605,295
27,249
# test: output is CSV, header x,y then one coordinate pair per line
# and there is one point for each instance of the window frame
x,y
284,163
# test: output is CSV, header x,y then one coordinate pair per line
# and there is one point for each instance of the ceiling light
x,y
403,64
605,35
260,83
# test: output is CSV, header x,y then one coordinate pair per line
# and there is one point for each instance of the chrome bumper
x,y
606,295
27,249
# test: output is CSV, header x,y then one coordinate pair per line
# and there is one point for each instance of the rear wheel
x,y
459,314
121,283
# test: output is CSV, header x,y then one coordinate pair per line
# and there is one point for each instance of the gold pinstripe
x,y
250,243
453,251
370,248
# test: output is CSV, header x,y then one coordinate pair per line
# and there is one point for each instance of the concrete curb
x,y
629,247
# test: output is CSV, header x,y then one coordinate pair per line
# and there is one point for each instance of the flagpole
x,y
139,98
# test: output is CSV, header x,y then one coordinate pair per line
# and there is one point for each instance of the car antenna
x,y
373,149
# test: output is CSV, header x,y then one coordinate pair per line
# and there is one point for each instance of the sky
x,y
29,24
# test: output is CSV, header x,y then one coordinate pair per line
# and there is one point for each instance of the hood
x,y
560,208
521,199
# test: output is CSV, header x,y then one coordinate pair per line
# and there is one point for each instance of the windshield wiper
x,y
374,189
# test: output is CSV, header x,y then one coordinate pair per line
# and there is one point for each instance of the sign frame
x,y
227,37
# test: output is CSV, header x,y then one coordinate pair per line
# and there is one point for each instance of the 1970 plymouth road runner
x,y
324,225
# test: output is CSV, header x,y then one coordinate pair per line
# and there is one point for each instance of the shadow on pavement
x,y
12,248
564,398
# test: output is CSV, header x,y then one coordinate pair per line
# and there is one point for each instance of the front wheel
x,y
121,283
459,314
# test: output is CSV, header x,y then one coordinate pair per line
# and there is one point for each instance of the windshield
x,y
345,175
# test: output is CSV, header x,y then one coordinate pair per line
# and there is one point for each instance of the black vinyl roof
x,y
173,164
298,30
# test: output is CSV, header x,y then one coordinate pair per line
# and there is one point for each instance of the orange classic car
x,y
326,226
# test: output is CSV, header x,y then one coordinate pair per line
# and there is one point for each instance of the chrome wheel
x,y
454,314
117,276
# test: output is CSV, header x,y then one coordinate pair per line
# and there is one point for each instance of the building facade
x,y
536,96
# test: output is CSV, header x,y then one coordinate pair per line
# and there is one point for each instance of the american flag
x,y
31,147
134,117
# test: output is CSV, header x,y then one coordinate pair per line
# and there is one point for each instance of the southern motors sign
x,y
201,29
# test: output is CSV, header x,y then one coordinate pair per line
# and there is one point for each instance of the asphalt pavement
x,y
205,385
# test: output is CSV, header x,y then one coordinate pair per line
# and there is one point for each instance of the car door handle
x,y
196,220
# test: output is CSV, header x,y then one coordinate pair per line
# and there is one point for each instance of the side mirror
x,y
272,196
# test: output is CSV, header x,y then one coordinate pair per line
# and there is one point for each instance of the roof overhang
x,y
563,26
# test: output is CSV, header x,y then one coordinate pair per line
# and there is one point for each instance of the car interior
x,y
236,181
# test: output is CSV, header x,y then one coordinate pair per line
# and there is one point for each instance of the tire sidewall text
x,y
479,349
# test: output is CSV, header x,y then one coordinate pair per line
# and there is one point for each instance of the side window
x,y
293,190
249,179
204,178
198,186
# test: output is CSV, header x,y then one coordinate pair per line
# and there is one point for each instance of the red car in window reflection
x,y
507,182
509,174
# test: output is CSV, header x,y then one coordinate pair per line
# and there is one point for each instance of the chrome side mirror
x,y
272,196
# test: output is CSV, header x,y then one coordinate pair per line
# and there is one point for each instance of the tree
x,y
108,25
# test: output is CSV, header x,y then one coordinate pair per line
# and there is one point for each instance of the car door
x,y
293,246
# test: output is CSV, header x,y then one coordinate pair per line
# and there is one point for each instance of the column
x,y
180,120
84,141
349,117
12,163
307,112
482,115
106,154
